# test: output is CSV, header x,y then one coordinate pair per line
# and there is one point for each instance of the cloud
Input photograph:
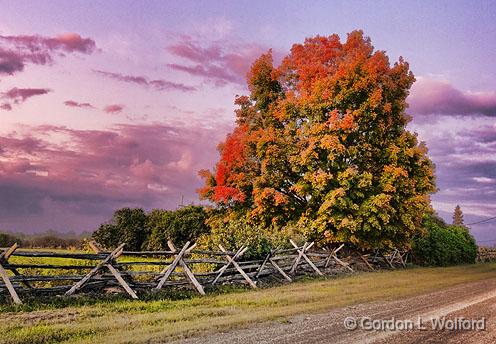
x,y
484,180
17,51
6,106
72,172
20,95
113,109
432,97
219,62
72,103
484,134
159,84
10,62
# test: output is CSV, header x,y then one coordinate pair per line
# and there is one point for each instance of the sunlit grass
x,y
120,320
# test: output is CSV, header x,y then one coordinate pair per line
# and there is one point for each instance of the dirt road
x,y
475,301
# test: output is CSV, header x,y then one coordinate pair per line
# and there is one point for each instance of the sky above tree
x,y
121,103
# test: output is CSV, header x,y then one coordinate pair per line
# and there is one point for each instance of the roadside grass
x,y
152,321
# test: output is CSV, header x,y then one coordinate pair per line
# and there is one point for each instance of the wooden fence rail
x,y
486,254
72,273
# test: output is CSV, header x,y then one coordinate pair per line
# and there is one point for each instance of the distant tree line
x,y
48,239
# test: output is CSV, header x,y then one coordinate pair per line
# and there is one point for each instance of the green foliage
x,y
185,224
235,231
443,244
127,225
141,231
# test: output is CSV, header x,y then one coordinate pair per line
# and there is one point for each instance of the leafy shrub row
x,y
443,245
150,231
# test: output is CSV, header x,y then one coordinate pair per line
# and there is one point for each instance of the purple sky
x,y
121,103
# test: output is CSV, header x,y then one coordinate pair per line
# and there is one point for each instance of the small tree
x,y
458,216
127,226
185,224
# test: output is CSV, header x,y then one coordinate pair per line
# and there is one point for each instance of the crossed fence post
x,y
187,271
269,259
107,262
4,256
179,260
230,260
113,270
333,256
302,254
223,269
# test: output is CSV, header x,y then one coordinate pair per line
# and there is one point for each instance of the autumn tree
x,y
458,216
321,144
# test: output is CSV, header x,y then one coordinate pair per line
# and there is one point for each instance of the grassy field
x,y
125,321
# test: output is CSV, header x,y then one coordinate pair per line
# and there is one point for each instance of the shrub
x,y
235,231
443,244
179,226
127,225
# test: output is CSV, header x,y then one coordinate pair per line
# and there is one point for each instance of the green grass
x,y
120,320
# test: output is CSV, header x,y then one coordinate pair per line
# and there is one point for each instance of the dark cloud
x,y
219,62
129,165
485,134
465,173
17,51
159,84
72,103
10,62
113,108
430,97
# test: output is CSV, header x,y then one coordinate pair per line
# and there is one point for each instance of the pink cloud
x,y
219,62
6,106
96,171
159,84
113,108
20,95
72,103
438,97
68,42
11,62
16,51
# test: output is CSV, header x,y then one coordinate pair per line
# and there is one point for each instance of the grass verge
x,y
119,321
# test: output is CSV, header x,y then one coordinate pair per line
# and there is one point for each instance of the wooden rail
x,y
486,254
177,268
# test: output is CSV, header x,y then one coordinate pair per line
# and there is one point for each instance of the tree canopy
x,y
321,143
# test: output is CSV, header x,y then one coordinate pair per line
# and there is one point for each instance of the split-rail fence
x,y
68,273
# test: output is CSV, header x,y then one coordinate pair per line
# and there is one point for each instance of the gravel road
x,y
467,301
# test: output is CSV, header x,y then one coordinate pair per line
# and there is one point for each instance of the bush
x,y
127,225
179,226
236,231
141,231
443,244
